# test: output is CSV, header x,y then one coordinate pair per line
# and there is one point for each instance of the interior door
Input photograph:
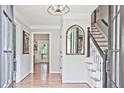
x,y
43,50
10,51
7,47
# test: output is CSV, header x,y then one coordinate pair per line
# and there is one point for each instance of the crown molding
x,y
77,16
17,16
44,27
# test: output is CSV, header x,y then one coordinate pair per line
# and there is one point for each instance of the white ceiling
x,y
38,15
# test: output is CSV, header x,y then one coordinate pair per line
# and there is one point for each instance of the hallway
x,y
61,46
41,79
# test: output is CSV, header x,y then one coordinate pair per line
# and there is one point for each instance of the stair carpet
x,y
103,43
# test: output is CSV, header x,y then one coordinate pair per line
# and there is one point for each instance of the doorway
x,y
41,54
41,48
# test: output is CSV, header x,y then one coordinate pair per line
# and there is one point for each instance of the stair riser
x,y
104,44
95,33
98,36
93,74
93,28
98,84
103,48
92,70
101,39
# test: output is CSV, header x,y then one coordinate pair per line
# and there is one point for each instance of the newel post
x,y
105,68
88,41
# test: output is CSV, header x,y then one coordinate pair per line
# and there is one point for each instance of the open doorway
x,y
41,54
41,48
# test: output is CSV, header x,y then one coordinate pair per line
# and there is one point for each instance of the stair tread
x,y
89,62
92,70
95,79
99,37
104,48
103,45
102,41
94,27
96,33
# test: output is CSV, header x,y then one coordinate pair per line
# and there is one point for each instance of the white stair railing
x,y
98,58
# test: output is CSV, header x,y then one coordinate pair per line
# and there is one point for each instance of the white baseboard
x,y
24,76
74,82
90,85
54,72
81,82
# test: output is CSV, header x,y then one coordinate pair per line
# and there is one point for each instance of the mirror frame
x,y
83,39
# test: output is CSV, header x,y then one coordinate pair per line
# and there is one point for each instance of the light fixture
x,y
58,10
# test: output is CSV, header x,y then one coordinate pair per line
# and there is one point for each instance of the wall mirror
x,y
75,40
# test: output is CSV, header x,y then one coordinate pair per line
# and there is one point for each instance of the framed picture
x,y
36,47
26,41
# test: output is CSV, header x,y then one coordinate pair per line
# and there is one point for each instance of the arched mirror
x,y
75,40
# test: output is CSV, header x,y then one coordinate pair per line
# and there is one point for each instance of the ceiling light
x,y
58,9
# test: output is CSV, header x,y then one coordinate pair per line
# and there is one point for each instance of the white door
x,y
7,48
43,51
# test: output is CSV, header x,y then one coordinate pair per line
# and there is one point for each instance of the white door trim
x,y
32,51
18,52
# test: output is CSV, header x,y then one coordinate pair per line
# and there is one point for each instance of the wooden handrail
x,y
95,43
97,46
103,21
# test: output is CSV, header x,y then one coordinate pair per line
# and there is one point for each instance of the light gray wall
x,y
103,14
23,60
103,9
74,68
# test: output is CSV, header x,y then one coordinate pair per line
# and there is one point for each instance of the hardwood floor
x,y
41,79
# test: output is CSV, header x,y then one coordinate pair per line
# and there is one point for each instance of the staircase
x,y
95,61
99,37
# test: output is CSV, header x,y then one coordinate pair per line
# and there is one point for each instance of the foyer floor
x,y
41,79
